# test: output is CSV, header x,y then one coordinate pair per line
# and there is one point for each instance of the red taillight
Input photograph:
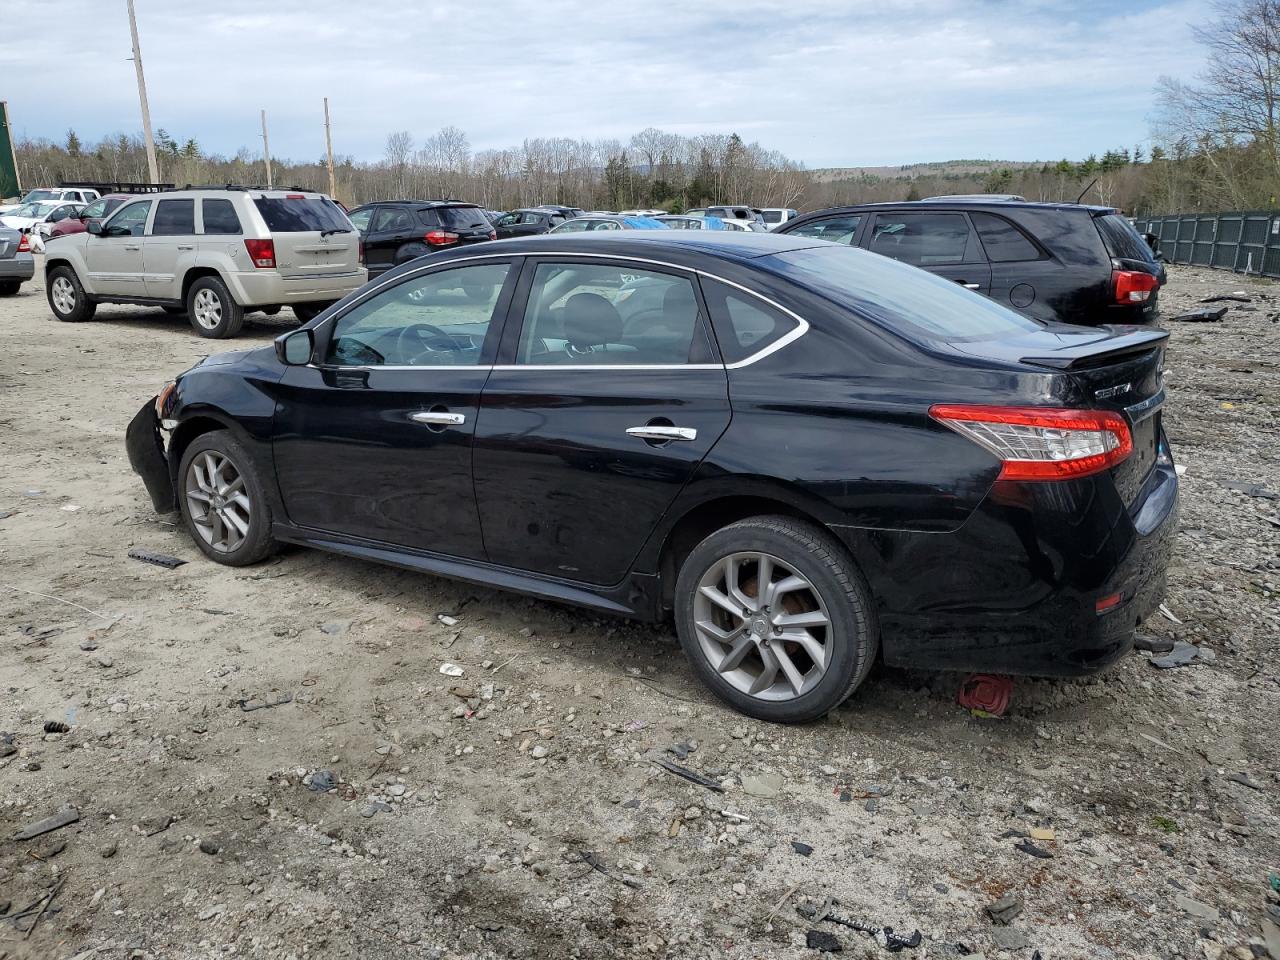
x,y
295,196
1132,286
1108,603
24,244
440,238
360,256
261,252
1041,443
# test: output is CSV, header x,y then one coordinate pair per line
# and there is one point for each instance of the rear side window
x,y
1121,239
174,218
300,214
454,217
921,239
744,324
392,218
836,229
1003,242
914,303
219,217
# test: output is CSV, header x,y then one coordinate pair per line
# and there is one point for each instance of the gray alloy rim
x,y
207,308
217,501
64,295
763,626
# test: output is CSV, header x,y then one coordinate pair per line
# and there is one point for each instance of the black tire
x,y
257,542
306,312
9,287
852,638
81,307
213,311
175,311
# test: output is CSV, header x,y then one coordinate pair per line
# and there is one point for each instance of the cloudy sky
x,y
828,83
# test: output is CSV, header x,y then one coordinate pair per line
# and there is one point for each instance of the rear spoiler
x,y
1122,342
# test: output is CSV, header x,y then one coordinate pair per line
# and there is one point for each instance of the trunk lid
x,y
467,221
10,240
311,236
1118,368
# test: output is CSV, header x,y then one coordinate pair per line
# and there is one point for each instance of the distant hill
x,y
952,168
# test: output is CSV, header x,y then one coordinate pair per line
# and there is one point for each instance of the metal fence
x,y
1244,242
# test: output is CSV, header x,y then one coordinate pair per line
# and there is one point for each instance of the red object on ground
x,y
986,693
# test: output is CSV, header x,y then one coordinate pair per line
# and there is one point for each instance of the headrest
x,y
590,320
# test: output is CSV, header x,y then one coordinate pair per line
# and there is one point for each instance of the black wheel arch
x,y
206,419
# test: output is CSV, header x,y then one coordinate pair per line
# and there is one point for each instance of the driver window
x,y
437,320
131,219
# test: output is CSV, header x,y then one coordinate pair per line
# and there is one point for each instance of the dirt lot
x,y
515,812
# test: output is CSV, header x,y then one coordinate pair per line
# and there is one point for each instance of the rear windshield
x,y
456,217
302,215
906,299
773,216
1122,240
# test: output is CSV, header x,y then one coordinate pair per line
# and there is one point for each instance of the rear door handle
x,y
663,433
439,418
970,286
186,246
132,246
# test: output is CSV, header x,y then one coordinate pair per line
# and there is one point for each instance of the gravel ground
x,y
514,812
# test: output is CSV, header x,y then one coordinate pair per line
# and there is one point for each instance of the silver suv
x,y
212,253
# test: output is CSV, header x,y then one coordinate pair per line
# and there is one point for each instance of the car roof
x,y
993,204
722,245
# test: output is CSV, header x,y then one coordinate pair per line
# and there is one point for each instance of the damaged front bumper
x,y
148,459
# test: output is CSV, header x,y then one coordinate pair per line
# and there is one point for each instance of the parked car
x,y
567,212
1053,261
746,226
808,456
41,216
642,213
98,210
735,213
691,223
527,222
397,231
773,216
212,253
608,222
45,194
16,263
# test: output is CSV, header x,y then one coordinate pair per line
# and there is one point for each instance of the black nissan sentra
x,y
807,455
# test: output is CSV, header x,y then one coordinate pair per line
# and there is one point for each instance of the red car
x,y
98,210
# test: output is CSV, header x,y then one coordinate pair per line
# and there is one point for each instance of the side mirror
x,y
294,348
94,227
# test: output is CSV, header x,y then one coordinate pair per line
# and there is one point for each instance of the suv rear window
x,y
454,217
220,217
174,218
1121,239
300,215
1003,242
912,302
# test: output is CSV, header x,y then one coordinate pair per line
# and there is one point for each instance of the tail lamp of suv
x,y
440,238
1132,286
261,252
1041,443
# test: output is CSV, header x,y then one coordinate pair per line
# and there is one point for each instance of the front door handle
x,y
969,286
663,433
186,246
132,246
439,418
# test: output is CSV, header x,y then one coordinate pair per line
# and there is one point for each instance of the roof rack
x,y
241,187
1007,197
115,187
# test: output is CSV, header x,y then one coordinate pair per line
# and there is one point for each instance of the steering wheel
x,y
417,339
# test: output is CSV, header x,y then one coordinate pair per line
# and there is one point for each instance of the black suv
x,y
397,231
1049,261
531,221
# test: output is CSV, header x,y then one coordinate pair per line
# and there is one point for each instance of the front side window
x,y
437,320
836,229
589,313
921,239
174,218
130,219
744,323
220,218
507,220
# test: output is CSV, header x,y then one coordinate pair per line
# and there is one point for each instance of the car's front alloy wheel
x,y
223,503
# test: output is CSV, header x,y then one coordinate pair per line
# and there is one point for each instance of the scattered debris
x,y
1233,297
894,942
801,848
1169,613
322,781
690,775
1201,316
1043,833
335,628
1183,654
452,670
1194,907
985,695
635,726
1026,846
158,559
447,620
1256,490
766,785
59,820
1150,644
56,726
1245,780
823,941
209,846
1004,910
45,902
681,750
150,826
248,704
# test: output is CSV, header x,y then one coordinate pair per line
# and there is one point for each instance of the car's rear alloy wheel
x,y
222,501
776,619
213,311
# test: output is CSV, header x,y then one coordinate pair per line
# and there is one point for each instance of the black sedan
x,y
809,456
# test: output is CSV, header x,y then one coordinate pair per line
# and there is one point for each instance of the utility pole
x,y
152,166
328,146
266,148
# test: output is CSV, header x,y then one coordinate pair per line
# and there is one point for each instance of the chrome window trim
x,y
802,325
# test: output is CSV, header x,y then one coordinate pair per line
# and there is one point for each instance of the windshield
x,y
40,195
456,217
903,298
1122,240
301,214
35,210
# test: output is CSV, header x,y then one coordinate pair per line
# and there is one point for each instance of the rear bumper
x,y
1015,590
21,266
267,287
147,457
